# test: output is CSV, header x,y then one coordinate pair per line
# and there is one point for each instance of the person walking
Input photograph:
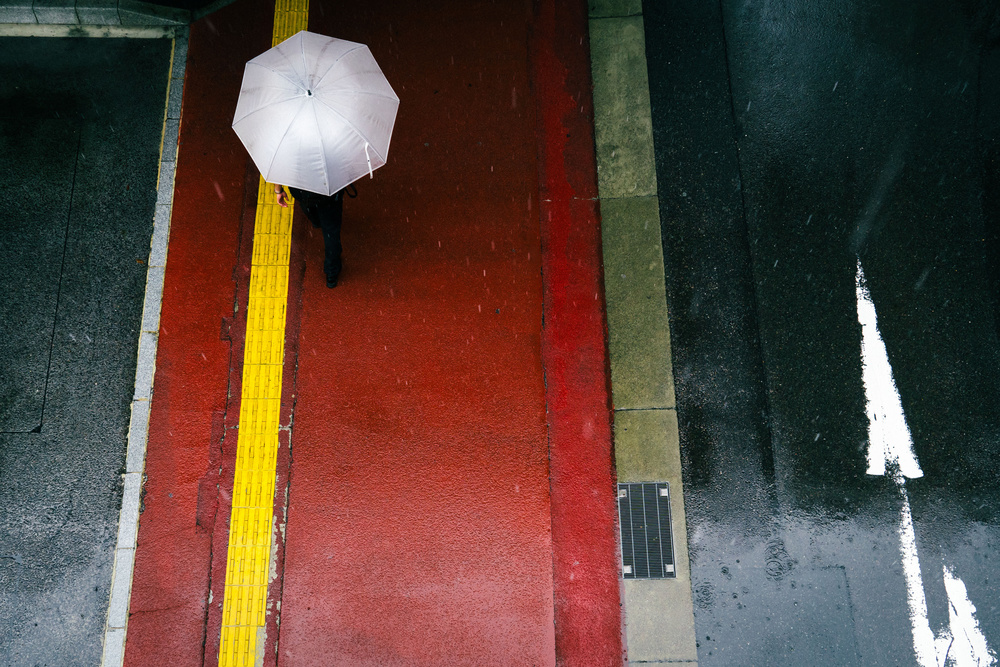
x,y
325,212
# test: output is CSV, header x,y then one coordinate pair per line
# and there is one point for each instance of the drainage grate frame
x,y
647,542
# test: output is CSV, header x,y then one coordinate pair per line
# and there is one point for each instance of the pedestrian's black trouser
x,y
325,212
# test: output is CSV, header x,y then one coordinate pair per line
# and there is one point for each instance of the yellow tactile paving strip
x,y
250,527
290,16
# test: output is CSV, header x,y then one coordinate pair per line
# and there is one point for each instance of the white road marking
x,y
927,647
890,449
889,440
969,647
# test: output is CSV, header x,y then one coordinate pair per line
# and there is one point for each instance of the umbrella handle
x,y
368,157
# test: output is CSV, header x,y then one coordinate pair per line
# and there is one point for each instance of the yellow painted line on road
x,y
166,108
248,559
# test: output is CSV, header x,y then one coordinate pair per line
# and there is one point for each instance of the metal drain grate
x,y
647,541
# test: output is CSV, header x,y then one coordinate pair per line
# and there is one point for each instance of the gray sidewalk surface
x,y
78,217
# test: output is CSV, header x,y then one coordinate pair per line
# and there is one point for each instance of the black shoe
x,y
331,281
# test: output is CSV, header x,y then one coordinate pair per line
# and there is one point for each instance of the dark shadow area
x,y
190,5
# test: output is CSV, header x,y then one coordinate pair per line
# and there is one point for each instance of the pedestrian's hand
x,y
281,198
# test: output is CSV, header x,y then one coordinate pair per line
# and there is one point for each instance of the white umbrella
x,y
315,113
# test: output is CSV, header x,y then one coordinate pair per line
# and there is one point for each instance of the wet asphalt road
x,y
793,139
77,209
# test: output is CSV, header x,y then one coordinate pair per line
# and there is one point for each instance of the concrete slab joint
x,y
55,11
135,12
17,11
614,8
98,12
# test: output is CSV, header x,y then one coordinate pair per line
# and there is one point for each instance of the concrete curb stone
x,y
623,126
128,13
658,613
639,341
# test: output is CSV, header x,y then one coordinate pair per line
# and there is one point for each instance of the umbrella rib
x,y
297,84
368,92
352,126
360,91
322,148
305,63
283,135
262,108
334,63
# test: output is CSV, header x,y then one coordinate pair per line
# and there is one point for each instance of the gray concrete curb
x,y
91,15
131,13
135,456
658,613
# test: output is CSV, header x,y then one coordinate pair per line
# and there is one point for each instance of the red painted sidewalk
x,y
450,482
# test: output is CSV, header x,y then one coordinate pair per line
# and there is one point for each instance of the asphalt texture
x,y
80,126
790,142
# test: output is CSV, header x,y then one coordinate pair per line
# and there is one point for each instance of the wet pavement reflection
x,y
792,142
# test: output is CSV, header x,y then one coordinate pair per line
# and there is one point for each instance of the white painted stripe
x,y
890,450
969,648
889,440
962,643
923,636
135,457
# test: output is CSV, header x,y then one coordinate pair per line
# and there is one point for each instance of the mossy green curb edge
x,y
659,619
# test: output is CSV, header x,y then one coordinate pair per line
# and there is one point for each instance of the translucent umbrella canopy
x,y
315,113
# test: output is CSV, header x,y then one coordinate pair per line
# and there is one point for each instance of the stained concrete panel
x,y
639,338
623,127
647,447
